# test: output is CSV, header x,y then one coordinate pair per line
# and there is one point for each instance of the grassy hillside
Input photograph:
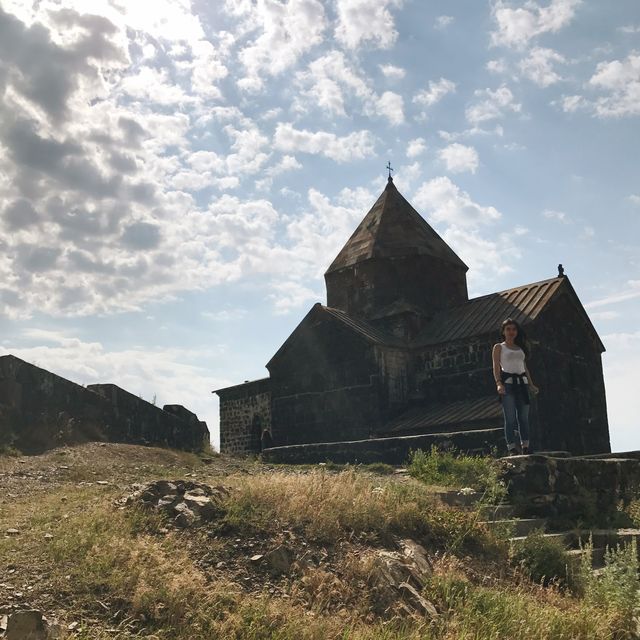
x,y
106,569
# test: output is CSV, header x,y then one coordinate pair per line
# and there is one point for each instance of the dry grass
x,y
119,574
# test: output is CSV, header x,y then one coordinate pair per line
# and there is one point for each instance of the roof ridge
x,y
393,227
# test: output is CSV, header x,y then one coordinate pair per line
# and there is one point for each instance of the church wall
x,y
570,411
455,370
325,386
566,363
368,287
245,411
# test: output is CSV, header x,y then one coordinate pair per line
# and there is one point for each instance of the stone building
x,y
401,351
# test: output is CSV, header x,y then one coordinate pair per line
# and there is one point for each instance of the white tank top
x,y
511,360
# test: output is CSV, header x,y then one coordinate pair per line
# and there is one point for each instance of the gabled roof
x,y
366,330
359,327
484,314
393,228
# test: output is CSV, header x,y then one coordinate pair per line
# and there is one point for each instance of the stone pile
x,y
187,503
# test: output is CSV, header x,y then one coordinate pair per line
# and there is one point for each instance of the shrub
x,y
615,587
445,468
542,559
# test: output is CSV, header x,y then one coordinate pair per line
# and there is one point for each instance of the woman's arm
x,y
497,371
531,385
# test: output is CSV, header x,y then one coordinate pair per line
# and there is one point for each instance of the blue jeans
x,y
516,417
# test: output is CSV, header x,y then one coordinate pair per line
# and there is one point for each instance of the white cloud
x,y
359,144
634,199
290,295
287,30
516,27
631,292
331,82
559,216
436,91
497,66
366,21
604,315
416,147
570,104
630,28
447,203
621,79
442,22
391,106
392,72
538,66
458,158
491,105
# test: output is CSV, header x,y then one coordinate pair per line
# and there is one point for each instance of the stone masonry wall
x,y
140,422
40,410
245,412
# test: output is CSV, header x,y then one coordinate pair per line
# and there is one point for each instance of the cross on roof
x,y
390,169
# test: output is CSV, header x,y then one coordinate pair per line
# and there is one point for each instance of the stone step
x,y
597,557
520,527
600,538
493,512
459,497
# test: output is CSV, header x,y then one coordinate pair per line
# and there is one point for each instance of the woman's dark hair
x,y
521,338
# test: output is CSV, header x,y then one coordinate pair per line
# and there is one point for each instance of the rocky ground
x,y
120,541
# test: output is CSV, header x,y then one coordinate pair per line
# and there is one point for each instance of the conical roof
x,y
393,228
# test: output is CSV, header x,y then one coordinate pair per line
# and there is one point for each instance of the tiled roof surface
x,y
393,228
454,414
368,331
483,315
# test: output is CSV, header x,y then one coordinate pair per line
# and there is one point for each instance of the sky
x,y
176,175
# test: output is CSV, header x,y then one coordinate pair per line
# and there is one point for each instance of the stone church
x,y
400,354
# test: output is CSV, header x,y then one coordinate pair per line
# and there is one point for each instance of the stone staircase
x,y
505,518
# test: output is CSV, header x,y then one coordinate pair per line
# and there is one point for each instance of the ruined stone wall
x,y
140,422
568,488
245,411
40,410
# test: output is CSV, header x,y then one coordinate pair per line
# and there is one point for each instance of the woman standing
x,y
513,382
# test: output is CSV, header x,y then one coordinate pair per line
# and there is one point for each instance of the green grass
x,y
448,469
542,559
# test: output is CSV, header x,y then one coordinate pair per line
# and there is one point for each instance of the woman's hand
x,y
534,389
501,389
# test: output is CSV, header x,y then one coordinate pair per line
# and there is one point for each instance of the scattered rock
x,y
48,536
13,532
187,502
399,576
278,561
418,602
27,624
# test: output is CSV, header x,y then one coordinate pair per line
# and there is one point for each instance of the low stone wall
x,y
40,410
139,421
571,488
388,450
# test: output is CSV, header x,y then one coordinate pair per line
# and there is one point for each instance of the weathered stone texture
x,y
571,488
39,410
139,421
245,412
